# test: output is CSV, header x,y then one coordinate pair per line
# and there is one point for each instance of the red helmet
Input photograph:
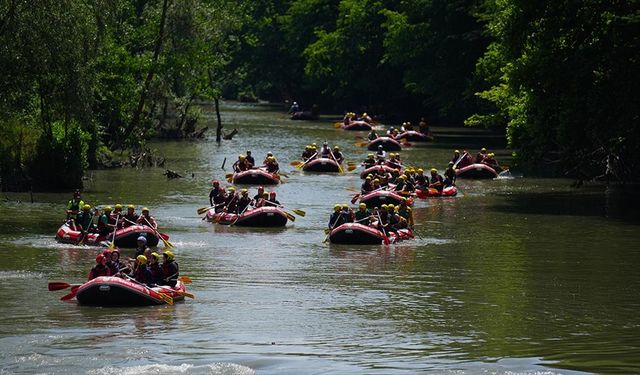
x,y
99,258
116,251
272,194
107,253
215,183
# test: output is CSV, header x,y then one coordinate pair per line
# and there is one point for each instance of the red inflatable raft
x,y
449,191
321,165
387,143
358,234
357,126
477,171
256,176
115,291
257,217
414,136
125,237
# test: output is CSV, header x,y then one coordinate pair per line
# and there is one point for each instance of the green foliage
x,y
60,158
17,147
564,75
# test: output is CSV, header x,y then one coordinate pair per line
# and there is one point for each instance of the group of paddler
x,y
387,217
86,219
228,200
246,162
482,157
145,268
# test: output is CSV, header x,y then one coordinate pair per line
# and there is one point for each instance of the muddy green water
x,y
513,276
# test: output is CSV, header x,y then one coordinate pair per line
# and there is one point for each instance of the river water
x,y
513,276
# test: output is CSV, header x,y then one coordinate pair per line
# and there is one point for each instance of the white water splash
x,y
185,368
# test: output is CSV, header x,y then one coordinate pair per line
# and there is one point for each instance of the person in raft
x,y
155,268
250,160
146,219
142,274
85,221
241,164
131,217
339,158
294,108
272,165
337,217
449,175
363,216
480,156
308,153
436,181
104,222
100,269
141,245
325,151
244,201
74,206
170,269
215,192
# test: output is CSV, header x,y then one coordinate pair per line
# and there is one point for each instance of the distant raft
x,y
326,165
387,143
257,176
114,291
476,171
124,237
359,234
257,217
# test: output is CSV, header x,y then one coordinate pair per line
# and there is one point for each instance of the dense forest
x,y
82,80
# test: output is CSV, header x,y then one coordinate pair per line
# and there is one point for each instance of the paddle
x,y
59,285
112,245
166,243
385,238
362,144
288,215
312,157
86,232
328,230
334,159
74,291
460,159
203,210
185,279
180,292
238,216
165,297
338,125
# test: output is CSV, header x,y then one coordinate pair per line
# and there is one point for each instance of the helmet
x,y
107,253
456,152
376,180
273,194
168,254
491,154
433,170
269,153
362,205
108,209
384,206
131,206
115,251
271,158
336,148
307,147
260,188
265,195
118,206
231,188
141,259
420,170
337,207
380,147
145,209
403,177
142,239
345,206
314,144
370,156
368,178
99,258
242,157
244,191
451,163
390,206
483,150
155,255
215,183
86,207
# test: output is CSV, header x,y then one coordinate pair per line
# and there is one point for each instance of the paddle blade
x,y
351,167
361,144
203,210
337,125
228,175
299,212
229,179
185,279
355,198
385,240
166,298
71,295
290,217
295,163
185,294
58,285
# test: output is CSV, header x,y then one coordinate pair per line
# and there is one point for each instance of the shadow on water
x,y
616,203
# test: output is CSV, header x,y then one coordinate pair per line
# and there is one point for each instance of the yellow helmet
x,y
242,157
433,170
86,207
337,207
390,206
169,254
231,188
403,177
156,256
456,152
483,150
118,206
368,178
362,205
145,210
108,209
420,170
141,259
376,180
370,156
131,206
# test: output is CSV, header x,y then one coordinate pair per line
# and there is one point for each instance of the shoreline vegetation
x,y
85,85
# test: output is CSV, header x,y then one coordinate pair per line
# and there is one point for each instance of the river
x,y
512,276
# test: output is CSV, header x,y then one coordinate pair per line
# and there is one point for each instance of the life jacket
x,y
143,275
156,273
170,269
99,270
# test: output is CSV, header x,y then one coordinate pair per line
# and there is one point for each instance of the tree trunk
x,y
219,128
135,121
